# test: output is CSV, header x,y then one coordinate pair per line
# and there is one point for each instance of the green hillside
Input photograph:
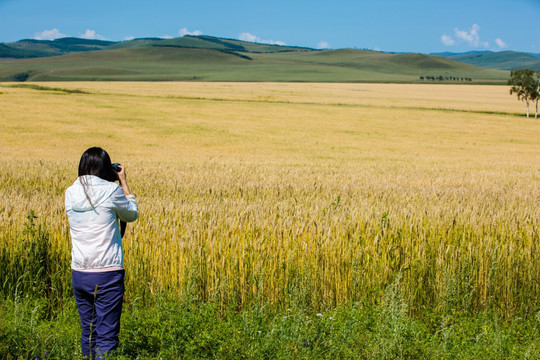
x,y
43,48
208,58
504,60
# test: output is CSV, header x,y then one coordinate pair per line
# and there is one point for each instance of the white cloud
x,y
248,37
323,45
472,37
447,40
252,38
463,35
127,38
185,31
501,44
91,34
49,35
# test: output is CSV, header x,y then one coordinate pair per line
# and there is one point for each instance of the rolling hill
x,y
205,58
42,48
503,60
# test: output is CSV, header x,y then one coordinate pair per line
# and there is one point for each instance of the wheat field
x,y
283,193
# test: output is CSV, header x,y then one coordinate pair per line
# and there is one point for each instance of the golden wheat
x,y
281,192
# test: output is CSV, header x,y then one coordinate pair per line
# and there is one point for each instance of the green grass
x,y
162,328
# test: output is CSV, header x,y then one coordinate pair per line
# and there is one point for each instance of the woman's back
x,y
93,207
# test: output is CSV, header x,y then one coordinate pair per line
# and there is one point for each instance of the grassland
x,y
213,59
290,196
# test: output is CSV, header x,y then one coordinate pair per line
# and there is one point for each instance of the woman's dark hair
x,y
95,161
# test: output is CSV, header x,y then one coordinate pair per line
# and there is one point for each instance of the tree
x,y
537,95
524,86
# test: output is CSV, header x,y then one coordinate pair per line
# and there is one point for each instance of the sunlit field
x,y
321,194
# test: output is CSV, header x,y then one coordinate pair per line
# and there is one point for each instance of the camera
x,y
116,167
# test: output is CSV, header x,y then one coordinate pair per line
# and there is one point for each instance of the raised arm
x,y
126,205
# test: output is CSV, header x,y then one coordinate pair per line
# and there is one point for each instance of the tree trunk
x,y
537,95
527,109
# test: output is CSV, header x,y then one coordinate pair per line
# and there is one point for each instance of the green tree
x,y
524,86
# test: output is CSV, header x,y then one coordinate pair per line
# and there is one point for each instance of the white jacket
x,y
95,231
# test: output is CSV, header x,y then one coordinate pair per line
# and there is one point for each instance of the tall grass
x,y
321,236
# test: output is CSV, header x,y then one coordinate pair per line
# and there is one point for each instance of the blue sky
x,y
389,25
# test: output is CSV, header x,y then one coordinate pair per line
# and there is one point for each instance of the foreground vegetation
x,y
165,328
411,220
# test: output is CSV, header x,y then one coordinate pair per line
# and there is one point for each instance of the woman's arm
x,y
126,206
123,180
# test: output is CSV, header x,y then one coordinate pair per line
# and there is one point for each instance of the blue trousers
x,y
99,298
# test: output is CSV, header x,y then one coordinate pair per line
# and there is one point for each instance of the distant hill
x,y
448,54
42,48
503,60
206,58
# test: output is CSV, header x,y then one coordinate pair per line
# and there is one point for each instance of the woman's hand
x,y
122,179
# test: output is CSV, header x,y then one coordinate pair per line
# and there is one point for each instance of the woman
x,y
94,203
